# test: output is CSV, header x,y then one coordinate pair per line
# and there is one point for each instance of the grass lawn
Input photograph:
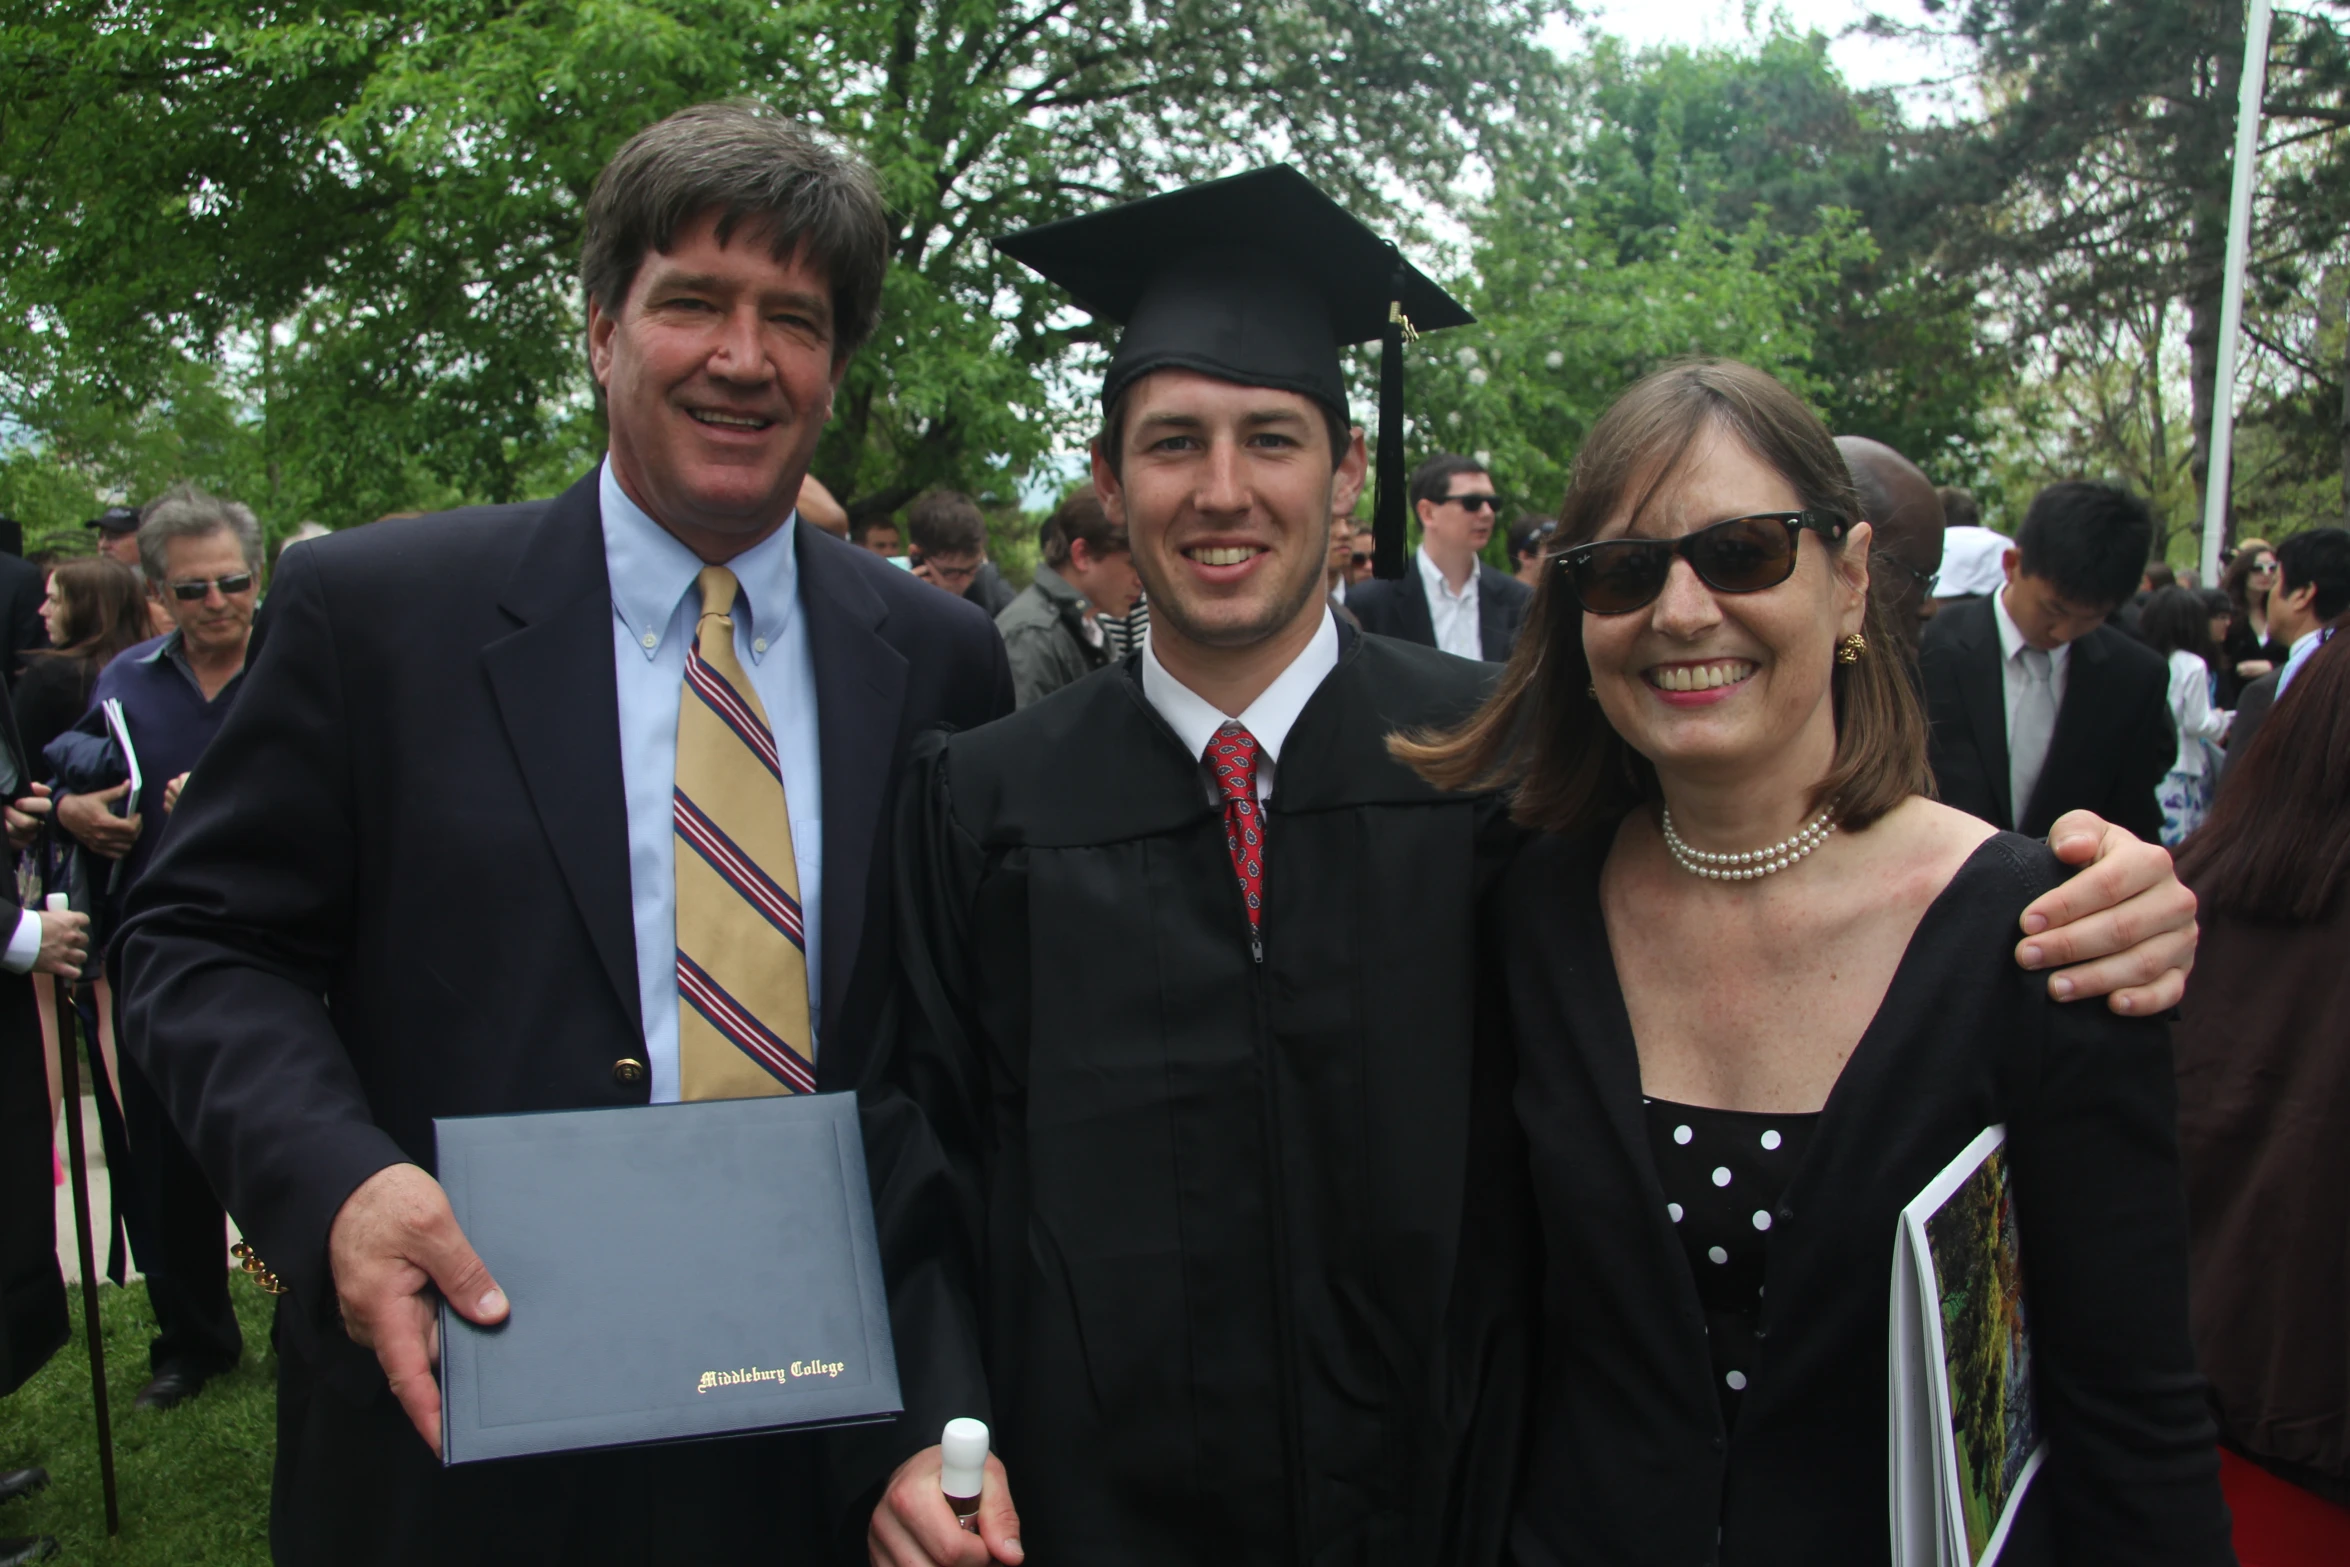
x,y
194,1482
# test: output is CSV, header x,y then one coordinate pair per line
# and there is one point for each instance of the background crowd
x,y
2025,504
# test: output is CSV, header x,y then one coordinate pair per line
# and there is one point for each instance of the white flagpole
x,y
2231,309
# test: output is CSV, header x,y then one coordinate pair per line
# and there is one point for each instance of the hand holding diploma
x,y
917,1525
394,1239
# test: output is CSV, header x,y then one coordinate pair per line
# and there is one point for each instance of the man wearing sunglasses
x,y
1449,599
203,554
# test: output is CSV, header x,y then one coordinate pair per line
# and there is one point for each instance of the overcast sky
x,y
1865,61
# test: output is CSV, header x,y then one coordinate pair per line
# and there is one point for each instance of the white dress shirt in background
x,y
1454,614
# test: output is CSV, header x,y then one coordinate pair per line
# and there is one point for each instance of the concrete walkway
x,y
101,1204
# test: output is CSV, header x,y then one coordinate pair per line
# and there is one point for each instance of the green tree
x,y
2096,187
365,214
1626,231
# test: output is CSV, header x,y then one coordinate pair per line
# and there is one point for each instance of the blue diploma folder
x,y
675,1272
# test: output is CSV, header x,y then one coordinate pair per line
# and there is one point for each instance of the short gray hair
x,y
185,512
810,196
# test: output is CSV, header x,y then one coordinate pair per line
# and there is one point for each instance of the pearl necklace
x,y
1753,863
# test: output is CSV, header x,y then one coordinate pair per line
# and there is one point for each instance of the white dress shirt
x,y
2298,654
2012,679
1454,614
655,605
24,947
1269,718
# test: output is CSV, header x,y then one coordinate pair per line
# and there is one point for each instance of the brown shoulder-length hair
x,y
1543,735
105,609
2277,843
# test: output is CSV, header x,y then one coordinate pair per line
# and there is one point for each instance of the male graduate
x,y
1247,1270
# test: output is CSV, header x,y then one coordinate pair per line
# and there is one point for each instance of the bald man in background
x,y
1900,504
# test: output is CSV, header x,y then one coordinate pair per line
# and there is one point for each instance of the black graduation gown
x,y
1249,1260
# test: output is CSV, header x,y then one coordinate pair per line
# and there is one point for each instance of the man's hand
x,y
101,831
914,1526
2126,925
65,943
24,816
395,1240
171,793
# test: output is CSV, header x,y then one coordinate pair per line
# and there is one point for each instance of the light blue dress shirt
x,y
655,604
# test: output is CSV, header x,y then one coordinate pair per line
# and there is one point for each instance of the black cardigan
x,y
1629,1462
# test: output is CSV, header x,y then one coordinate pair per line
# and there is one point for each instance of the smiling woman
x,y
1551,729
1759,994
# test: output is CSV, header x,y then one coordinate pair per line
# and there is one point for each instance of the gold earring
x,y
1849,650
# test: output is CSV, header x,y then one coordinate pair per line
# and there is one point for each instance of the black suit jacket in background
x,y
398,888
2113,742
1399,608
2251,712
22,587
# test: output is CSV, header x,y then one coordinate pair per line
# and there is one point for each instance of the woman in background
x,y
2176,624
95,609
1761,993
2250,651
2264,1090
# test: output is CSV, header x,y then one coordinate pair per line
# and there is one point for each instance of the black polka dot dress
x,y
1723,1173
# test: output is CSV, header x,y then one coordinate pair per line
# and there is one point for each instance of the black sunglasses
x,y
190,592
1741,555
1474,502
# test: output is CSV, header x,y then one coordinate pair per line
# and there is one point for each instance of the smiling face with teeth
x,y
1723,683
1227,494
718,372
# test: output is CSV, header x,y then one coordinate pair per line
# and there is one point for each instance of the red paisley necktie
x,y
1232,756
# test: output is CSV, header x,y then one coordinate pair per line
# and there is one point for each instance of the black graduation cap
x,y
1258,279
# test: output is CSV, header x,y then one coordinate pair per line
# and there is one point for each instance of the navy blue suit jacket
x,y
398,888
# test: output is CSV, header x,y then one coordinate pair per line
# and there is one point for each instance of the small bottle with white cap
x,y
962,1468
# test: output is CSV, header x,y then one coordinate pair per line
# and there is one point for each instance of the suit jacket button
x,y
628,1071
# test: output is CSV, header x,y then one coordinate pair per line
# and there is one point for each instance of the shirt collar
x,y
164,646
2011,639
1433,575
1269,718
652,571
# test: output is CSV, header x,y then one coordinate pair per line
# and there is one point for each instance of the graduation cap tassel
x,y
1387,506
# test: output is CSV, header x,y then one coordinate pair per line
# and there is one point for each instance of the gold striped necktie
x,y
742,965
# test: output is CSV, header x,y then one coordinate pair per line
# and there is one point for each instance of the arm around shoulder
x,y
225,958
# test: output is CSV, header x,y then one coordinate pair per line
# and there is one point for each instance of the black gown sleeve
x,y
923,1121
2133,1455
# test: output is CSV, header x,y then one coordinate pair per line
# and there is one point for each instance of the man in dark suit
x,y
23,586
2038,706
2312,591
429,866
1449,599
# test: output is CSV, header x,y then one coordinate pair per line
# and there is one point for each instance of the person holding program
x,y
1192,983
1759,994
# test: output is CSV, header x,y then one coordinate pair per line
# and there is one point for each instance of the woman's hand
x,y
2124,928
